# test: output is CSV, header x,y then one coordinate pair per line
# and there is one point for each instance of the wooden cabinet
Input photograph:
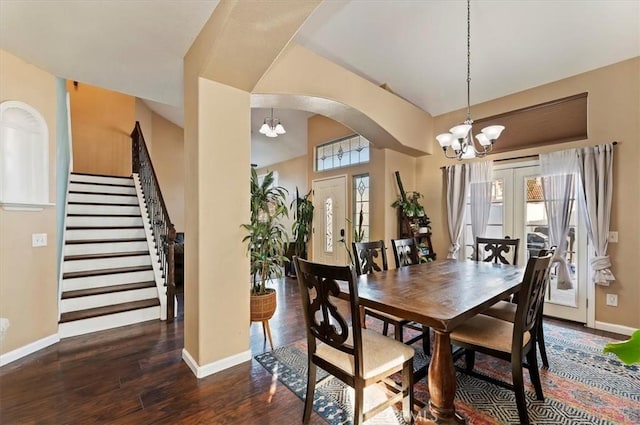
x,y
414,227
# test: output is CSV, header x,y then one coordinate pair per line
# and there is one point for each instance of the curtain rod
x,y
614,143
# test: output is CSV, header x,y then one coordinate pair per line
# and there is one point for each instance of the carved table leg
x,y
442,383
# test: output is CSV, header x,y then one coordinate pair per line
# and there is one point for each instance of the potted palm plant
x,y
302,208
266,242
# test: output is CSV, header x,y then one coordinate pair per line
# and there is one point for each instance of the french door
x,y
518,211
329,220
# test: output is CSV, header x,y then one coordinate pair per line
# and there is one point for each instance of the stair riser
x,y
85,187
83,235
95,324
92,301
103,199
101,179
103,209
106,221
80,283
105,248
106,263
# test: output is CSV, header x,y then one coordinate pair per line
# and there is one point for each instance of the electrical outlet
x,y
613,237
612,300
39,239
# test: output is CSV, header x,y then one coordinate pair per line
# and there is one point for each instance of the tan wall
x,y
613,114
168,162
291,174
28,283
217,156
396,161
144,115
101,124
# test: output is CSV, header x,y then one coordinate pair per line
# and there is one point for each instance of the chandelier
x,y
272,127
458,143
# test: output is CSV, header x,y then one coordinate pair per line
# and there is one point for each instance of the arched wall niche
x,y
24,157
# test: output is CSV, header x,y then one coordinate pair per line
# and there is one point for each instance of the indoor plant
x,y
302,208
267,240
411,207
410,204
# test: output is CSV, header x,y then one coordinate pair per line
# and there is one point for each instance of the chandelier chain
x,y
459,143
468,60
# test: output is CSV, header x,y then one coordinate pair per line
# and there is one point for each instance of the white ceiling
x,y
418,48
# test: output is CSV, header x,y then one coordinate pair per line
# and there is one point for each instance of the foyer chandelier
x,y
272,127
458,143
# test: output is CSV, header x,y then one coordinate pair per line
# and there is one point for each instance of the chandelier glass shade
x,y
458,142
272,127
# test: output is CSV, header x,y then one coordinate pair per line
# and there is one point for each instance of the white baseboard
x,y
217,366
24,351
611,327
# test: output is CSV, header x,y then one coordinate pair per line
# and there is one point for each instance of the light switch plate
x,y
39,239
613,237
612,300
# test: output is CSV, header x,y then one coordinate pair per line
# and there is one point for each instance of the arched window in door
x,y
24,156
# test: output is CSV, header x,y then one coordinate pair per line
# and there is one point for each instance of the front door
x,y
329,220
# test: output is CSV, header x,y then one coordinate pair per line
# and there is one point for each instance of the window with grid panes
x,y
343,152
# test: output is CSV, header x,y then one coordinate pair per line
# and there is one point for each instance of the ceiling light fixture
x,y
459,140
272,127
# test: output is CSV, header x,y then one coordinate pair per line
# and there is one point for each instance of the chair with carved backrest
x,y
358,357
497,250
368,256
406,253
506,310
511,341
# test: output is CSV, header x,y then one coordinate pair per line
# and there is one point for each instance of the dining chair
x,y
367,257
511,341
406,253
497,250
506,310
358,357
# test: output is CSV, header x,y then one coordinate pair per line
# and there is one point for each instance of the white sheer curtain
x,y
457,180
558,172
595,165
480,194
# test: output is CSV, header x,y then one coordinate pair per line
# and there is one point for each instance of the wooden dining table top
x,y
440,294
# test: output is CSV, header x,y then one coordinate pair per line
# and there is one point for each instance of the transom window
x,y
342,153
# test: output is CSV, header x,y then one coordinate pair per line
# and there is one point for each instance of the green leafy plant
x,y
301,229
627,351
267,237
410,206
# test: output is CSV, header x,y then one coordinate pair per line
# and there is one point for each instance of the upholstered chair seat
x,y
379,354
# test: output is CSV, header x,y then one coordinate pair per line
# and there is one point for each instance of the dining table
x,y
441,295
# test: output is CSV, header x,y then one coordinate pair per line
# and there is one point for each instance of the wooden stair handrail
x,y
163,229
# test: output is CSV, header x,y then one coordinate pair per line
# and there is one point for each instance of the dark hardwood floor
x,y
135,375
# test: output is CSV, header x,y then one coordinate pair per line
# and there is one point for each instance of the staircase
x,y
108,277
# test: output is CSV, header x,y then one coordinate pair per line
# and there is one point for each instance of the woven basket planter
x,y
263,306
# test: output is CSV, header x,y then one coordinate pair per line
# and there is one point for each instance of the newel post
x,y
171,280
135,149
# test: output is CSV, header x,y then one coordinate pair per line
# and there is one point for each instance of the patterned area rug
x,y
581,386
